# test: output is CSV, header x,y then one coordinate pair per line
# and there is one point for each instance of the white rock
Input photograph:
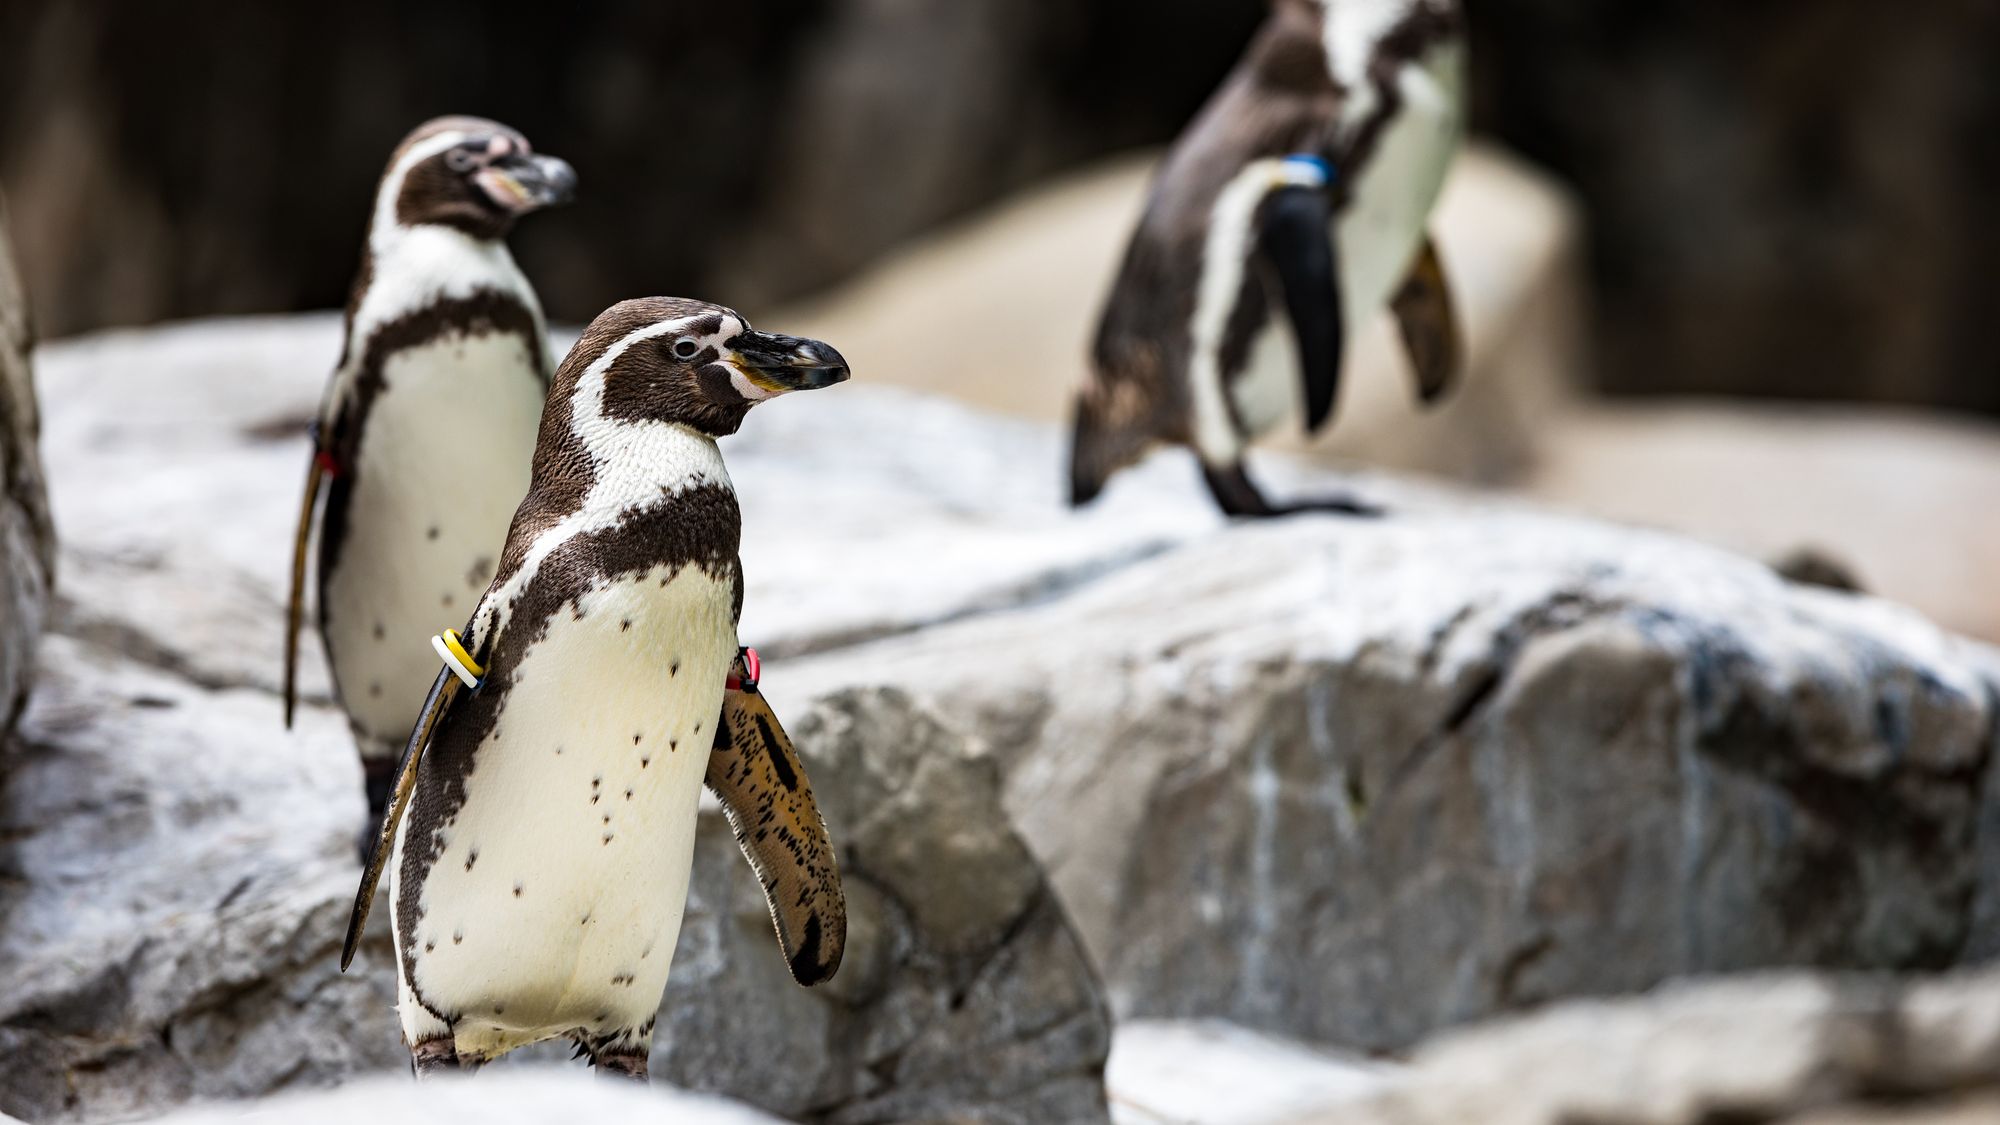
x,y
1202,1072
522,1097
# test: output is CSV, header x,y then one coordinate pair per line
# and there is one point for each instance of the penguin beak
x,y
777,364
524,182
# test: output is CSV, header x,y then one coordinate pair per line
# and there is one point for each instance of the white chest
x,y
1375,238
440,467
557,899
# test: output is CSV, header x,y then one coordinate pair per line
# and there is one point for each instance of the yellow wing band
x,y
452,651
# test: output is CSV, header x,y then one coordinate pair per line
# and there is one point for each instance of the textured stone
x,y
27,540
1361,780
1783,1049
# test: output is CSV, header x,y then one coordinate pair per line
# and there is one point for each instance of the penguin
x,y
425,432
1292,206
541,830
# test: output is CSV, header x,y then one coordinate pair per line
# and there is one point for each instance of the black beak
x,y
787,363
525,182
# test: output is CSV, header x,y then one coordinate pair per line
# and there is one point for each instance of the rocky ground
x,y
27,541
1344,782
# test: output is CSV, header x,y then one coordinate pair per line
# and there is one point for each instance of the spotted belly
x,y
555,903
441,466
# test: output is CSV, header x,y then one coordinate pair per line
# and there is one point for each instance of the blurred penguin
x,y
1293,206
427,430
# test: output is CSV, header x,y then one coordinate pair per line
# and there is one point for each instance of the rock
x,y
1789,1049
27,540
518,1097
964,996
1205,1072
1889,493
1357,781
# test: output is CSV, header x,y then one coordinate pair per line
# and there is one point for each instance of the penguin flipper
x,y
295,606
443,692
1428,318
1295,235
762,785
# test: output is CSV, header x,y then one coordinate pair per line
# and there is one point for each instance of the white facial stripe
x,y
635,464
746,386
385,223
1353,30
1223,259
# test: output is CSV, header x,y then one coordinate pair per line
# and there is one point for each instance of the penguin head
x,y
665,359
471,174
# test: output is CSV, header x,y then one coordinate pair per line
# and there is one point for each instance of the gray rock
x,y
27,539
964,996
1358,781
1792,1049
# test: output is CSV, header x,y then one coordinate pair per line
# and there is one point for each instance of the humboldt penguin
x,y
1293,206
541,829
426,429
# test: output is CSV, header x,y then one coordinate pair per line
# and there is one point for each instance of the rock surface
x,y
519,1097
1205,1072
27,540
1783,1049
1891,494
1358,781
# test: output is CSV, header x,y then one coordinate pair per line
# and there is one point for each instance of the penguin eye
x,y
461,159
686,349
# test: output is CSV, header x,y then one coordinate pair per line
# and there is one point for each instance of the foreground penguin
x,y
1295,202
539,874
425,432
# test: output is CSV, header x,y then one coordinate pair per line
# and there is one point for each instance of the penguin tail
x,y
1103,440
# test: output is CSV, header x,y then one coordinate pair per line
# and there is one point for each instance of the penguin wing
x,y
295,606
443,692
757,775
1295,236
1428,318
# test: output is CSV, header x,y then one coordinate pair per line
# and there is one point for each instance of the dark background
x,y
1783,197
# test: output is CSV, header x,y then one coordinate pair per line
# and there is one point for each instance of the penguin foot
x,y
1342,505
628,1062
434,1056
1237,495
